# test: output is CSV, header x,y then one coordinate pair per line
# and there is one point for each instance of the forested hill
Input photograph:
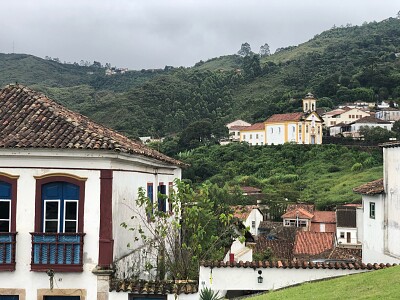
x,y
341,64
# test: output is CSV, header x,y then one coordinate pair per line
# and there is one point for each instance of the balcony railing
x,y
61,252
7,251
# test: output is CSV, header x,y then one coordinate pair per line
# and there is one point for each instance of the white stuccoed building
x,y
381,211
66,185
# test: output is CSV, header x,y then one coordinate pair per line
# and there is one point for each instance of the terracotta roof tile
x,y
312,243
297,116
256,126
324,217
154,287
295,264
29,119
300,213
307,207
371,120
238,127
281,249
371,188
243,211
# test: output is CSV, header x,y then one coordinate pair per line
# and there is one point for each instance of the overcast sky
x,y
153,33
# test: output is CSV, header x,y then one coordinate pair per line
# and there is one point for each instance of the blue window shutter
x,y
162,189
150,195
5,190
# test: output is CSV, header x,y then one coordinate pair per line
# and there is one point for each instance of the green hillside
x,y
338,65
380,284
321,174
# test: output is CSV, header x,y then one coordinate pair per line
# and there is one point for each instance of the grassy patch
x,y
381,284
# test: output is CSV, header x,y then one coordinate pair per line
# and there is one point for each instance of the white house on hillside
x,y
235,128
66,185
254,134
381,211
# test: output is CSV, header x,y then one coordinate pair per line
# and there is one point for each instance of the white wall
x,y
253,137
256,216
27,163
124,296
392,181
275,134
23,277
357,126
346,230
234,278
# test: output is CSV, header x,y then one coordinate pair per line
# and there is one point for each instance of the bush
x,y
333,169
356,167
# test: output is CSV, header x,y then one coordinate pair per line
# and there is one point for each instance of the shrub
x,y
333,169
356,167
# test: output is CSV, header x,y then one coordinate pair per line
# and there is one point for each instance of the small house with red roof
x,y
304,216
254,134
235,128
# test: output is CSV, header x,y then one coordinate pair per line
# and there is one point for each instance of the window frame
x,y
9,214
372,210
52,178
12,181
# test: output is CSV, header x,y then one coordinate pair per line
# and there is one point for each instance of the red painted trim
x,y
106,242
38,199
13,183
57,268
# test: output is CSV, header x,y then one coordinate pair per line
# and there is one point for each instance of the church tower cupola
x,y
309,103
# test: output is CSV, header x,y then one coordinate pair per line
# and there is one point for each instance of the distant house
x,y
305,217
344,115
353,129
235,128
381,210
299,127
299,218
250,215
250,218
323,221
388,114
254,134
346,232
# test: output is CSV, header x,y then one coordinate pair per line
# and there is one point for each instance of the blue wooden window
x,y
5,207
150,195
10,297
162,198
60,207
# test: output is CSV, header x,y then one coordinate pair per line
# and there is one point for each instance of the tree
x,y
375,135
245,50
198,227
396,128
264,50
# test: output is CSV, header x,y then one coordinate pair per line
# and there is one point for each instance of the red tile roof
x,y
312,243
307,207
31,120
154,287
250,190
297,213
237,127
371,188
256,126
324,217
371,120
243,211
297,116
295,264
